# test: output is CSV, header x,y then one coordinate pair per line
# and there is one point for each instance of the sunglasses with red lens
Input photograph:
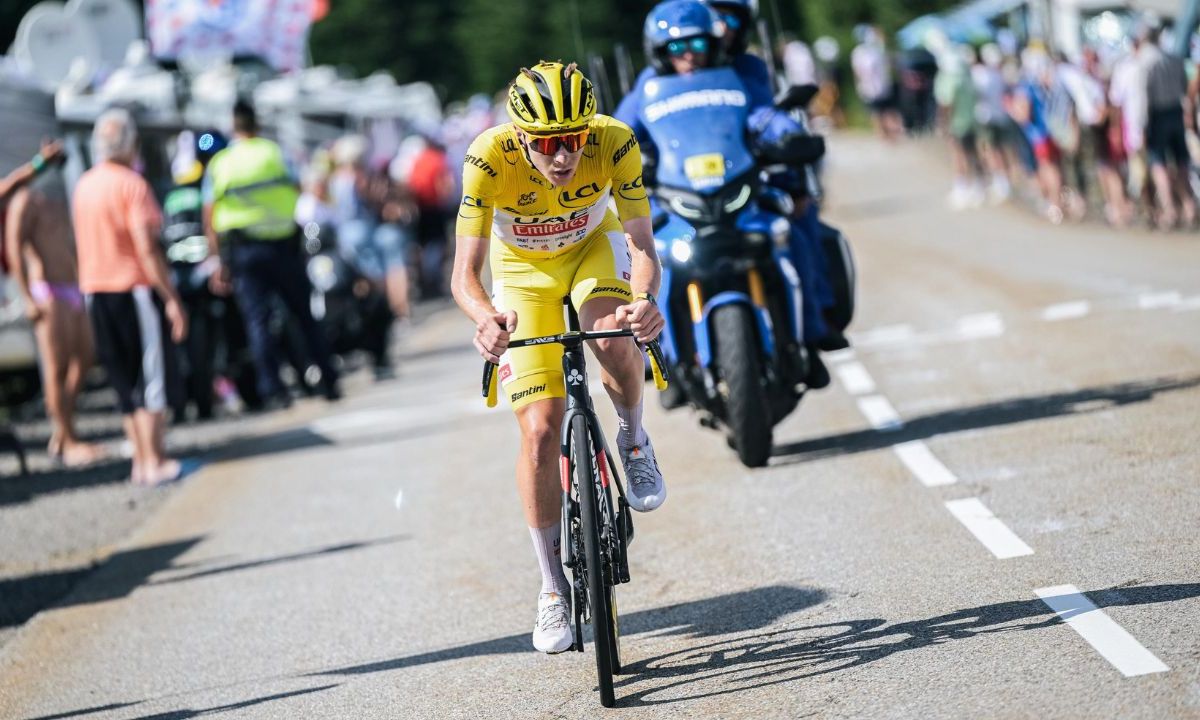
x,y
549,145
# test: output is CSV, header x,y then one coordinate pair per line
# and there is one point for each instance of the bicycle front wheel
x,y
599,600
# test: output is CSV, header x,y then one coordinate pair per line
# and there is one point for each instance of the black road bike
x,y
596,532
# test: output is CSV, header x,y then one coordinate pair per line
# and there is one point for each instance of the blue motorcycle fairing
x,y
676,105
731,297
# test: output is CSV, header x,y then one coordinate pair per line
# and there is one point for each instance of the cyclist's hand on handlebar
x,y
492,335
643,318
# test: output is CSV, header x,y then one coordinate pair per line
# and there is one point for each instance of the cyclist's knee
x,y
540,423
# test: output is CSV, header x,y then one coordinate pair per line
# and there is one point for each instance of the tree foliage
x,y
478,45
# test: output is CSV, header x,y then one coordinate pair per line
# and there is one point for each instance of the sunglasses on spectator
x,y
678,48
573,142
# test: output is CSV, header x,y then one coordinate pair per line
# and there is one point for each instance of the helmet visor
x,y
572,143
679,48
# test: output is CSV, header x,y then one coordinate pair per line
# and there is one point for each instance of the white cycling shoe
x,y
552,631
645,488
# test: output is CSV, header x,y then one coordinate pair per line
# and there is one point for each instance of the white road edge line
x,y
855,378
1066,311
1103,633
918,458
880,413
988,529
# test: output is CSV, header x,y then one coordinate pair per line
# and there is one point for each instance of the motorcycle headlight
x,y
322,273
681,251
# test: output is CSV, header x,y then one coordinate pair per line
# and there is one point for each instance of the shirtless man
x,y
40,248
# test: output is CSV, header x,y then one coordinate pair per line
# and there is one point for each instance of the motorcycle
x,y
353,313
731,296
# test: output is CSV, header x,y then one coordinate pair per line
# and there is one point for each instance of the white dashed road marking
x,y
918,458
855,378
880,413
981,325
1109,639
988,529
1154,301
885,335
1067,311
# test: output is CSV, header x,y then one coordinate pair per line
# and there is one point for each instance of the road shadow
x,y
725,614
188,713
199,570
23,597
988,415
792,654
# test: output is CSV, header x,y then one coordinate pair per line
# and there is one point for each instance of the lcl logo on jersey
x,y
509,146
576,198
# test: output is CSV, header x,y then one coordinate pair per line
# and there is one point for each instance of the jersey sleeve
x,y
481,185
629,191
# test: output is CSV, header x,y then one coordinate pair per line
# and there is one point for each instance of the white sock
x,y
630,433
546,543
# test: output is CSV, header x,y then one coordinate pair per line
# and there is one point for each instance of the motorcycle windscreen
x,y
698,124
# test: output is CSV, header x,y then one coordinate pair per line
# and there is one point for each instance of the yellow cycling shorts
x,y
535,287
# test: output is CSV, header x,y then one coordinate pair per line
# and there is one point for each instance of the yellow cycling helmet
x,y
551,99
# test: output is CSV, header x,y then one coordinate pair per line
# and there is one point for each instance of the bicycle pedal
x,y
625,521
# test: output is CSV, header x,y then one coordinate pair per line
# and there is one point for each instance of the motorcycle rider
x,y
683,36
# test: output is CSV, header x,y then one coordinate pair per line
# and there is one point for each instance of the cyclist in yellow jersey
x,y
536,202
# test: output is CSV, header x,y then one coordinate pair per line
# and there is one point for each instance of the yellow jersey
x,y
507,199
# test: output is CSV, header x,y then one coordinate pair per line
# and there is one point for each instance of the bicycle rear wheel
x,y
600,600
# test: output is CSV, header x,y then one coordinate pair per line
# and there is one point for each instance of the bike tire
x,y
598,598
747,411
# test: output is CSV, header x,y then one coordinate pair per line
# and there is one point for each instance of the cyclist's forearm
x,y
646,271
646,274
465,283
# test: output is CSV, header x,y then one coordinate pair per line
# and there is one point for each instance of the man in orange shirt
x,y
129,294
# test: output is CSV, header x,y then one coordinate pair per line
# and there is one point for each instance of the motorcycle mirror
x,y
796,97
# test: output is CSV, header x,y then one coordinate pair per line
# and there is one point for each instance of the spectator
x,y
1166,140
1128,94
799,68
372,216
1027,108
40,249
250,206
991,120
873,79
129,294
954,90
1105,147
431,182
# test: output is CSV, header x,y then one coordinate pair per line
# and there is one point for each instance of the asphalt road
x,y
991,513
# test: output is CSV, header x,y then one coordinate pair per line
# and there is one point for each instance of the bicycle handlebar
x,y
658,365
